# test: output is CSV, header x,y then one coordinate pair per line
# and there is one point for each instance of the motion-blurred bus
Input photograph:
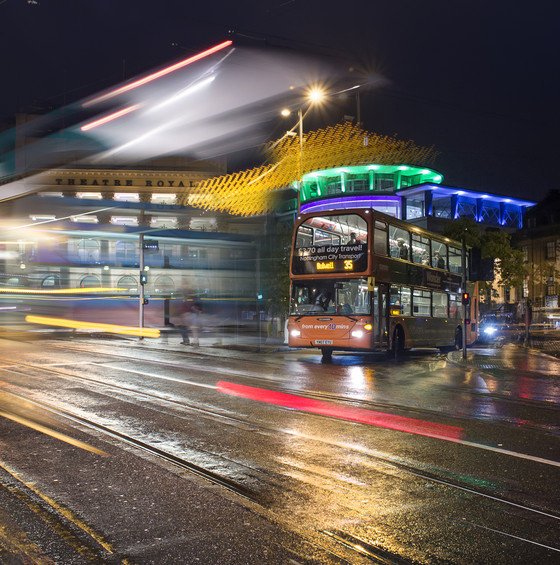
x,y
365,281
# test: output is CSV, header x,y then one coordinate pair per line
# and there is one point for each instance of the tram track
x,y
384,459
345,539
353,401
342,538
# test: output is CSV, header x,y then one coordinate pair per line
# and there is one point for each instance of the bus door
x,y
380,317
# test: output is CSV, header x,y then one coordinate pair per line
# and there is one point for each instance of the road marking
x,y
173,379
507,452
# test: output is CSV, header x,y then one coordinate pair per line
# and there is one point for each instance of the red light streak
x,y
156,75
110,117
389,421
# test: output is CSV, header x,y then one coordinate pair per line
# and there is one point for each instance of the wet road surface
x,y
424,460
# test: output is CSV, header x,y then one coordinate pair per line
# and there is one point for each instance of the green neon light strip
x,y
428,175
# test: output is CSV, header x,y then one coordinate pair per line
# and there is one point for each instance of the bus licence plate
x,y
323,342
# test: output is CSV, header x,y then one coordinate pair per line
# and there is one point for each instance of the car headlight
x,y
490,330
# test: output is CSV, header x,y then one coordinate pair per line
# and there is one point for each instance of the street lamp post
x,y
315,96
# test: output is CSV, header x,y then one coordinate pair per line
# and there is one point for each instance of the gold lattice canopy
x,y
248,193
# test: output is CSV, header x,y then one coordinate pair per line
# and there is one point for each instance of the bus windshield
x,y
340,297
342,229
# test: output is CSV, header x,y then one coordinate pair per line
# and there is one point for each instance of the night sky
x,y
478,80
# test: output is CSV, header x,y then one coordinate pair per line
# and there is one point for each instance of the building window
x,y
50,281
163,222
128,284
127,252
164,285
414,209
525,251
90,281
384,183
90,195
88,250
163,198
84,219
127,196
124,220
550,250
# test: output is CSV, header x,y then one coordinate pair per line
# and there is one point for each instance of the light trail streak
x,y
111,328
156,75
110,117
48,431
389,421
60,219
89,290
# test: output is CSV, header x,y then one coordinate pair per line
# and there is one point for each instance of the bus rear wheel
x,y
458,339
397,346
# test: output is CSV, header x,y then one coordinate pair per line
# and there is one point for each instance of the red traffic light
x,y
466,297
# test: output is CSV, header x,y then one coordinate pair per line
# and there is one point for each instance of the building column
x,y
428,202
479,208
502,217
454,206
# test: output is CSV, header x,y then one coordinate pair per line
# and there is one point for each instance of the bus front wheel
x,y
327,354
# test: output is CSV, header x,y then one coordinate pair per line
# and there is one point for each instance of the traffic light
x,y
466,297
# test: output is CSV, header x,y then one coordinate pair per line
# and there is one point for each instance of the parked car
x,y
496,329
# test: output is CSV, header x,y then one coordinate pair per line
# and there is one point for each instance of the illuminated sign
x,y
330,258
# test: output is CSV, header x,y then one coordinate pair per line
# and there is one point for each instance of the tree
x,y
508,264
467,227
494,244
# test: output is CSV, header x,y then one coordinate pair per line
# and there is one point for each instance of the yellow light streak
x,y
252,192
48,431
75,324
91,290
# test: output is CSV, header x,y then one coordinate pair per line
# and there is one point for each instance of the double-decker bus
x,y
364,281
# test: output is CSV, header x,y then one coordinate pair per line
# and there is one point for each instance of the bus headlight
x,y
295,333
357,333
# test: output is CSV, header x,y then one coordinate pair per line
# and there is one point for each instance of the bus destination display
x,y
330,259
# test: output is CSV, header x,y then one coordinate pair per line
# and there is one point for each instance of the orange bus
x,y
364,281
